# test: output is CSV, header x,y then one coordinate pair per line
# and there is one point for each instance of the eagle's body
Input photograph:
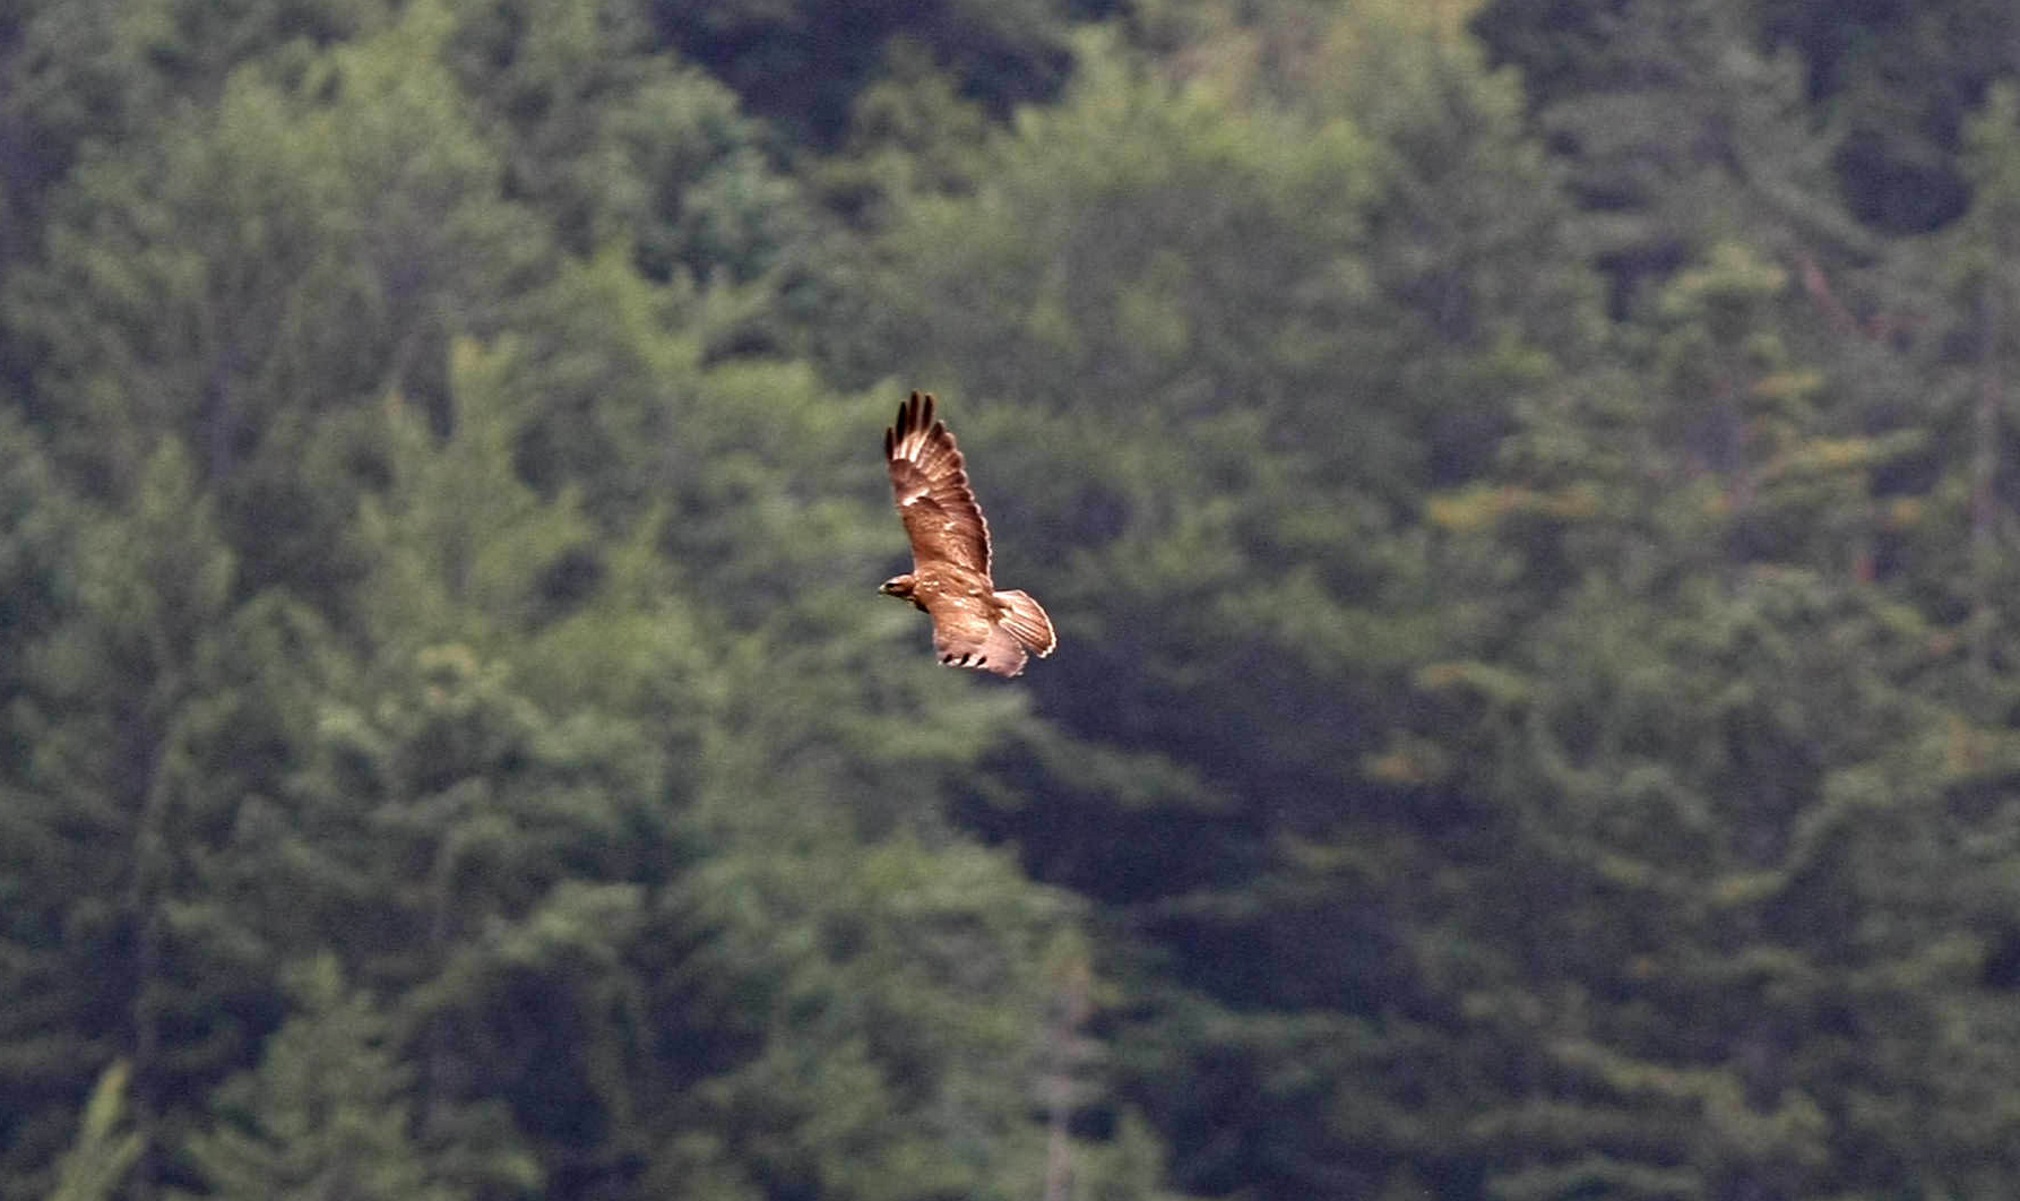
x,y
974,624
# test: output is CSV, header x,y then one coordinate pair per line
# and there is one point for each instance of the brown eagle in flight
x,y
974,625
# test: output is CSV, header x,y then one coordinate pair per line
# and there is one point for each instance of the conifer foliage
x,y
1525,490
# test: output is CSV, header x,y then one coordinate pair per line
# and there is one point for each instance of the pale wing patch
x,y
1025,618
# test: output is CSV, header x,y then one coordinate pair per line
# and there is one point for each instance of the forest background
x,y
1527,490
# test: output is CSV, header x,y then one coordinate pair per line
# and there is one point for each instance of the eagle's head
x,y
899,586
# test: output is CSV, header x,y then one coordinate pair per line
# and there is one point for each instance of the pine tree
x,y
140,714
1712,731
1901,84
260,267
1679,133
1237,317
328,1112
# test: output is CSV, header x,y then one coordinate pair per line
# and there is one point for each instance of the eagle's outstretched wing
x,y
930,484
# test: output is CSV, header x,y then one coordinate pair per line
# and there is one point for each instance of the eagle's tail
x,y
1025,619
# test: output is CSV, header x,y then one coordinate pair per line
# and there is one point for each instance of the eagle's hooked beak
x,y
888,587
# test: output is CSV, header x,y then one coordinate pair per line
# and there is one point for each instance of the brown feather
x,y
929,482
1025,617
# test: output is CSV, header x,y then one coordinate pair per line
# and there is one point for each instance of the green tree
x,y
1901,84
248,274
144,719
890,996
571,818
1970,522
466,845
619,146
442,590
1678,132
1728,807
328,1112
1722,747
1231,328
801,64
